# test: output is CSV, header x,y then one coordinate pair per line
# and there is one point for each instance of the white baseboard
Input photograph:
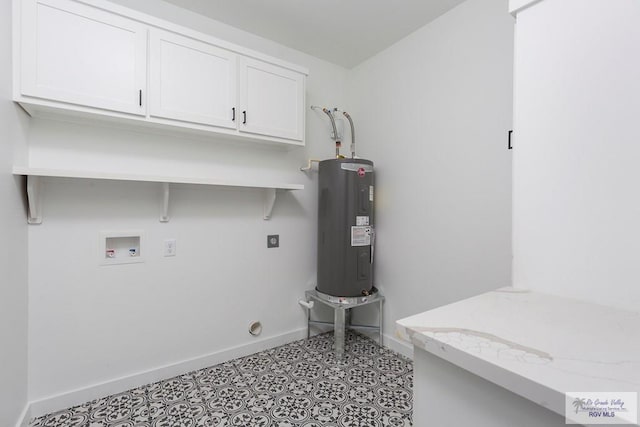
x,y
398,345
25,416
79,396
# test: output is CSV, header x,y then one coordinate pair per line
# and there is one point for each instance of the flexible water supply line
x,y
335,130
353,135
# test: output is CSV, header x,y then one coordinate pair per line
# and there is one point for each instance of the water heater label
x,y
371,193
362,220
360,236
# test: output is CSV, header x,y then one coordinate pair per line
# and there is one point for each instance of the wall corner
x,y
517,6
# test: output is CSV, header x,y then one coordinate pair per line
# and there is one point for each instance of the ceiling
x,y
345,32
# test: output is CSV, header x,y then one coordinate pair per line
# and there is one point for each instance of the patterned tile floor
x,y
299,384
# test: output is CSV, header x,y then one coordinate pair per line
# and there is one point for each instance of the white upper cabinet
x,y
77,54
96,60
191,80
271,100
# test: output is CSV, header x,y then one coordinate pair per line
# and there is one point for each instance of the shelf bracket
x,y
309,166
164,217
33,196
269,202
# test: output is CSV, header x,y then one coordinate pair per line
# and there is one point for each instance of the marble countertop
x,y
536,345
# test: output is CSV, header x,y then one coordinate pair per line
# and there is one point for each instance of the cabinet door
x,y
271,100
78,54
192,81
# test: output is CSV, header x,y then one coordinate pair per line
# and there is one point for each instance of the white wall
x,y
13,251
89,323
433,113
576,204
420,115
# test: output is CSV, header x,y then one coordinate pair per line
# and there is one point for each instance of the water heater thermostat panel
x,y
360,236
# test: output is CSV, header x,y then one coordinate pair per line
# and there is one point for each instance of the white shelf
x,y
34,174
61,173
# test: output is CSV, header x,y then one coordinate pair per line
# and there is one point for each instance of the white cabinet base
x,y
82,115
445,395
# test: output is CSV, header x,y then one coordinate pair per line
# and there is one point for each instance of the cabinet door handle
x,y
509,145
140,97
233,119
244,115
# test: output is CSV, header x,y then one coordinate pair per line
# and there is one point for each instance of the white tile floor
x,y
298,384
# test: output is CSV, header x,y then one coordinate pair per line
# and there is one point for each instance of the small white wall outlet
x,y
170,247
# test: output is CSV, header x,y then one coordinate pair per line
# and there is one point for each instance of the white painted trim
x,y
25,416
517,6
82,395
398,345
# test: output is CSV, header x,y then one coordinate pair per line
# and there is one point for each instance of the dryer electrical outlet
x,y
273,241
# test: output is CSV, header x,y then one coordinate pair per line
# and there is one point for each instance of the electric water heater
x,y
345,227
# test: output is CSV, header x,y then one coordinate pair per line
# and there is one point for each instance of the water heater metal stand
x,y
341,307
